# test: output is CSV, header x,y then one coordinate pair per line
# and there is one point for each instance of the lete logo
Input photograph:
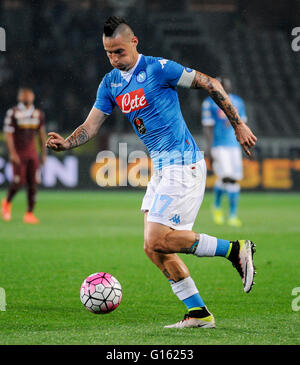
x,y
132,101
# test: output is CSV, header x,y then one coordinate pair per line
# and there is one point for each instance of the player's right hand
x,y
56,142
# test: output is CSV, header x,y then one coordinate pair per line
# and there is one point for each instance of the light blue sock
x,y
233,203
187,292
223,248
209,246
194,302
218,192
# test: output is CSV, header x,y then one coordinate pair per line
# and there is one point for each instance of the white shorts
x,y
174,195
227,162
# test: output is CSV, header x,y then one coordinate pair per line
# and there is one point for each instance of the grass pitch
x,y
42,268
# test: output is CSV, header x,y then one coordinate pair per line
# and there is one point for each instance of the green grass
x,y
42,267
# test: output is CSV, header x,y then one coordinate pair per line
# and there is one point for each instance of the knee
x,y
155,243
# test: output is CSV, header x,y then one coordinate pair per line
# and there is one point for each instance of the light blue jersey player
x,y
225,153
145,89
148,97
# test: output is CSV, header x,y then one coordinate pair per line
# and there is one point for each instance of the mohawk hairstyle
x,y
112,23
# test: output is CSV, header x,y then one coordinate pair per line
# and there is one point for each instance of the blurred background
x,y
56,48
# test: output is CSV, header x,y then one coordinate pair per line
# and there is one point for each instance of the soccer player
x,y
21,124
225,153
144,88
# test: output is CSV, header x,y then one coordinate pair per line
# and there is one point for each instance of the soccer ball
x,y
101,293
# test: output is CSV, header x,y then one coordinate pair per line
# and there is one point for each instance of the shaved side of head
x,y
125,31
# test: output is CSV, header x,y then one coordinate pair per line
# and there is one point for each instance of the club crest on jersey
x,y
132,101
140,126
141,77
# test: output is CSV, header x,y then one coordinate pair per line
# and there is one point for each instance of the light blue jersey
x,y
223,132
149,100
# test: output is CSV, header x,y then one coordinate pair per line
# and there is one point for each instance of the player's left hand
x,y
245,137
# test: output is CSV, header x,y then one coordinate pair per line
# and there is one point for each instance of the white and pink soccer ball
x,y
101,293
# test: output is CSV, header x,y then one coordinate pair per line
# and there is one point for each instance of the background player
x,y
21,124
144,88
225,153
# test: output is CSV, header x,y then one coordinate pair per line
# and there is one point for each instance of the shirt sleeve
x,y
9,126
169,72
207,116
104,100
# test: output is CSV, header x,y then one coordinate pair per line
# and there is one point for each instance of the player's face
x,y
26,97
122,53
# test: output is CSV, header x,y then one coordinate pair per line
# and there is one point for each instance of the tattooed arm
x,y
243,133
81,135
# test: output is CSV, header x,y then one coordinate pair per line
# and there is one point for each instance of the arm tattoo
x,y
216,95
78,137
201,81
219,96
226,105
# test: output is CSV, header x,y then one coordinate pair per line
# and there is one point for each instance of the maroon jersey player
x,y
21,124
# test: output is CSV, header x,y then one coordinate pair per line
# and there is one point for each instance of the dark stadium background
x,y
56,47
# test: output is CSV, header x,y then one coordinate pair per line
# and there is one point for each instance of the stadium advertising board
x,y
109,171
